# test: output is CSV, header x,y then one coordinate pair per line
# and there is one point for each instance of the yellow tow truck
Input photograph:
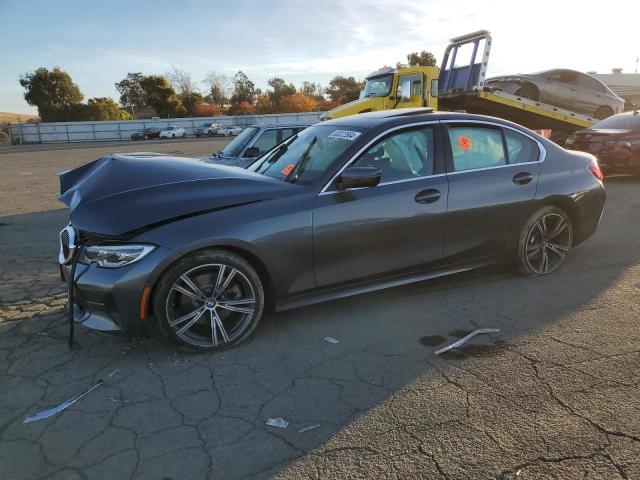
x,y
459,85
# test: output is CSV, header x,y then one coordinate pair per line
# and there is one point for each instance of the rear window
x,y
623,121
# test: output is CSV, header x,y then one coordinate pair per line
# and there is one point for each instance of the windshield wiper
x,y
275,154
299,170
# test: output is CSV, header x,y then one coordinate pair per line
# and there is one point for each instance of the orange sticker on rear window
x,y
464,142
288,169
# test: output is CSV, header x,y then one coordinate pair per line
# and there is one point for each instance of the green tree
x,y
343,89
45,89
131,93
312,90
191,102
422,59
244,89
103,108
160,95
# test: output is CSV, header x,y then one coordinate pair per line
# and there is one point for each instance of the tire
x,y
209,134
603,112
528,91
235,309
544,242
146,137
173,136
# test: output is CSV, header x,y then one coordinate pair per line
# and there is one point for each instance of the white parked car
x,y
209,129
228,131
172,132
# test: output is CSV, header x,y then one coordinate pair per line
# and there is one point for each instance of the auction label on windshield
x,y
345,134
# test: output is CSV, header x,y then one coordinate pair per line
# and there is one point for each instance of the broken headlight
x,y
113,256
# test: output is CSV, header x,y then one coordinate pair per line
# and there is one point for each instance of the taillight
x,y
595,169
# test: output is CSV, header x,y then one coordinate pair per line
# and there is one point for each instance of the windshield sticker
x,y
345,135
464,142
288,169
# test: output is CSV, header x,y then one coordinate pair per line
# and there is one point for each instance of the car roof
x,y
280,125
408,115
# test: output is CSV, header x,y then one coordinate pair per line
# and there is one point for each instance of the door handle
x,y
522,178
428,196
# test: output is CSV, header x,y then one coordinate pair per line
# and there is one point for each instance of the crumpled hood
x,y
120,193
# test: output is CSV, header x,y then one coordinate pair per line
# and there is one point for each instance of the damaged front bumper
x,y
110,299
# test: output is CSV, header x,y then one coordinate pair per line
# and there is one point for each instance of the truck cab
x,y
388,88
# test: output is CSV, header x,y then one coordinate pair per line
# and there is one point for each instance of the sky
x,y
99,41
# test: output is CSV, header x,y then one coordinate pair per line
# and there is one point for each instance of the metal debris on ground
x,y
466,338
63,406
331,340
310,427
113,373
277,422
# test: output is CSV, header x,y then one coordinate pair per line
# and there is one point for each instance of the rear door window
x,y
521,149
476,147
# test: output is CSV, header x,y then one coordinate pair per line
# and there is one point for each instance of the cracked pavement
x,y
555,395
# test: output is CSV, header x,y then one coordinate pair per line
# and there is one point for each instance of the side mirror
x,y
252,152
359,177
406,90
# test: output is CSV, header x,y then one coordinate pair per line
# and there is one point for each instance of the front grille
x,y
67,245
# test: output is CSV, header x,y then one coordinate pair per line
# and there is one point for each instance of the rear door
x,y
560,89
493,174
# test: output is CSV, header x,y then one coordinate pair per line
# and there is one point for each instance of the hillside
x,y
16,117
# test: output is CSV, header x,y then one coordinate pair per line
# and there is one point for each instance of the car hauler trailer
x,y
461,86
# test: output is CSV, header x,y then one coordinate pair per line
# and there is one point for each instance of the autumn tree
x,y
218,85
242,108
298,102
209,110
160,95
50,90
422,59
263,104
131,93
279,89
343,89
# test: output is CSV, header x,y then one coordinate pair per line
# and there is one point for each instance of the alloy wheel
x,y
211,305
548,243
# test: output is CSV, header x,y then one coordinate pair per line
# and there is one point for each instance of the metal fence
x,y
68,132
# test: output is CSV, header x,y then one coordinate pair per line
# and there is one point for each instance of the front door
x,y
395,226
414,82
493,176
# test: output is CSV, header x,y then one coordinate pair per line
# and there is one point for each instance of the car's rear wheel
x,y
603,112
209,300
544,242
209,134
528,91
173,135
146,137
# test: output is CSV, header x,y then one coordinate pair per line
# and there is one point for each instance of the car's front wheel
x,y
209,300
544,242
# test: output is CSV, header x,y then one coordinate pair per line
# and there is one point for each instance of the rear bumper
x,y
591,208
109,299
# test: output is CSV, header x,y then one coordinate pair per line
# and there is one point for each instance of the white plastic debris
x,y
277,422
113,373
331,340
466,338
310,427
63,406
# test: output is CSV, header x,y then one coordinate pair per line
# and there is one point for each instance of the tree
x,y
209,110
422,59
242,108
45,89
218,87
161,96
263,104
298,102
131,93
191,102
181,81
103,108
343,89
279,89
312,90
243,89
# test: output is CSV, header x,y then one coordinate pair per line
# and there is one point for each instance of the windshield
x,y
205,124
234,148
625,121
309,155
378,86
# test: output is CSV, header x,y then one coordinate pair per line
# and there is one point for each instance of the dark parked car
x,y
254,141
350,205
146,134
568,89
614,140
